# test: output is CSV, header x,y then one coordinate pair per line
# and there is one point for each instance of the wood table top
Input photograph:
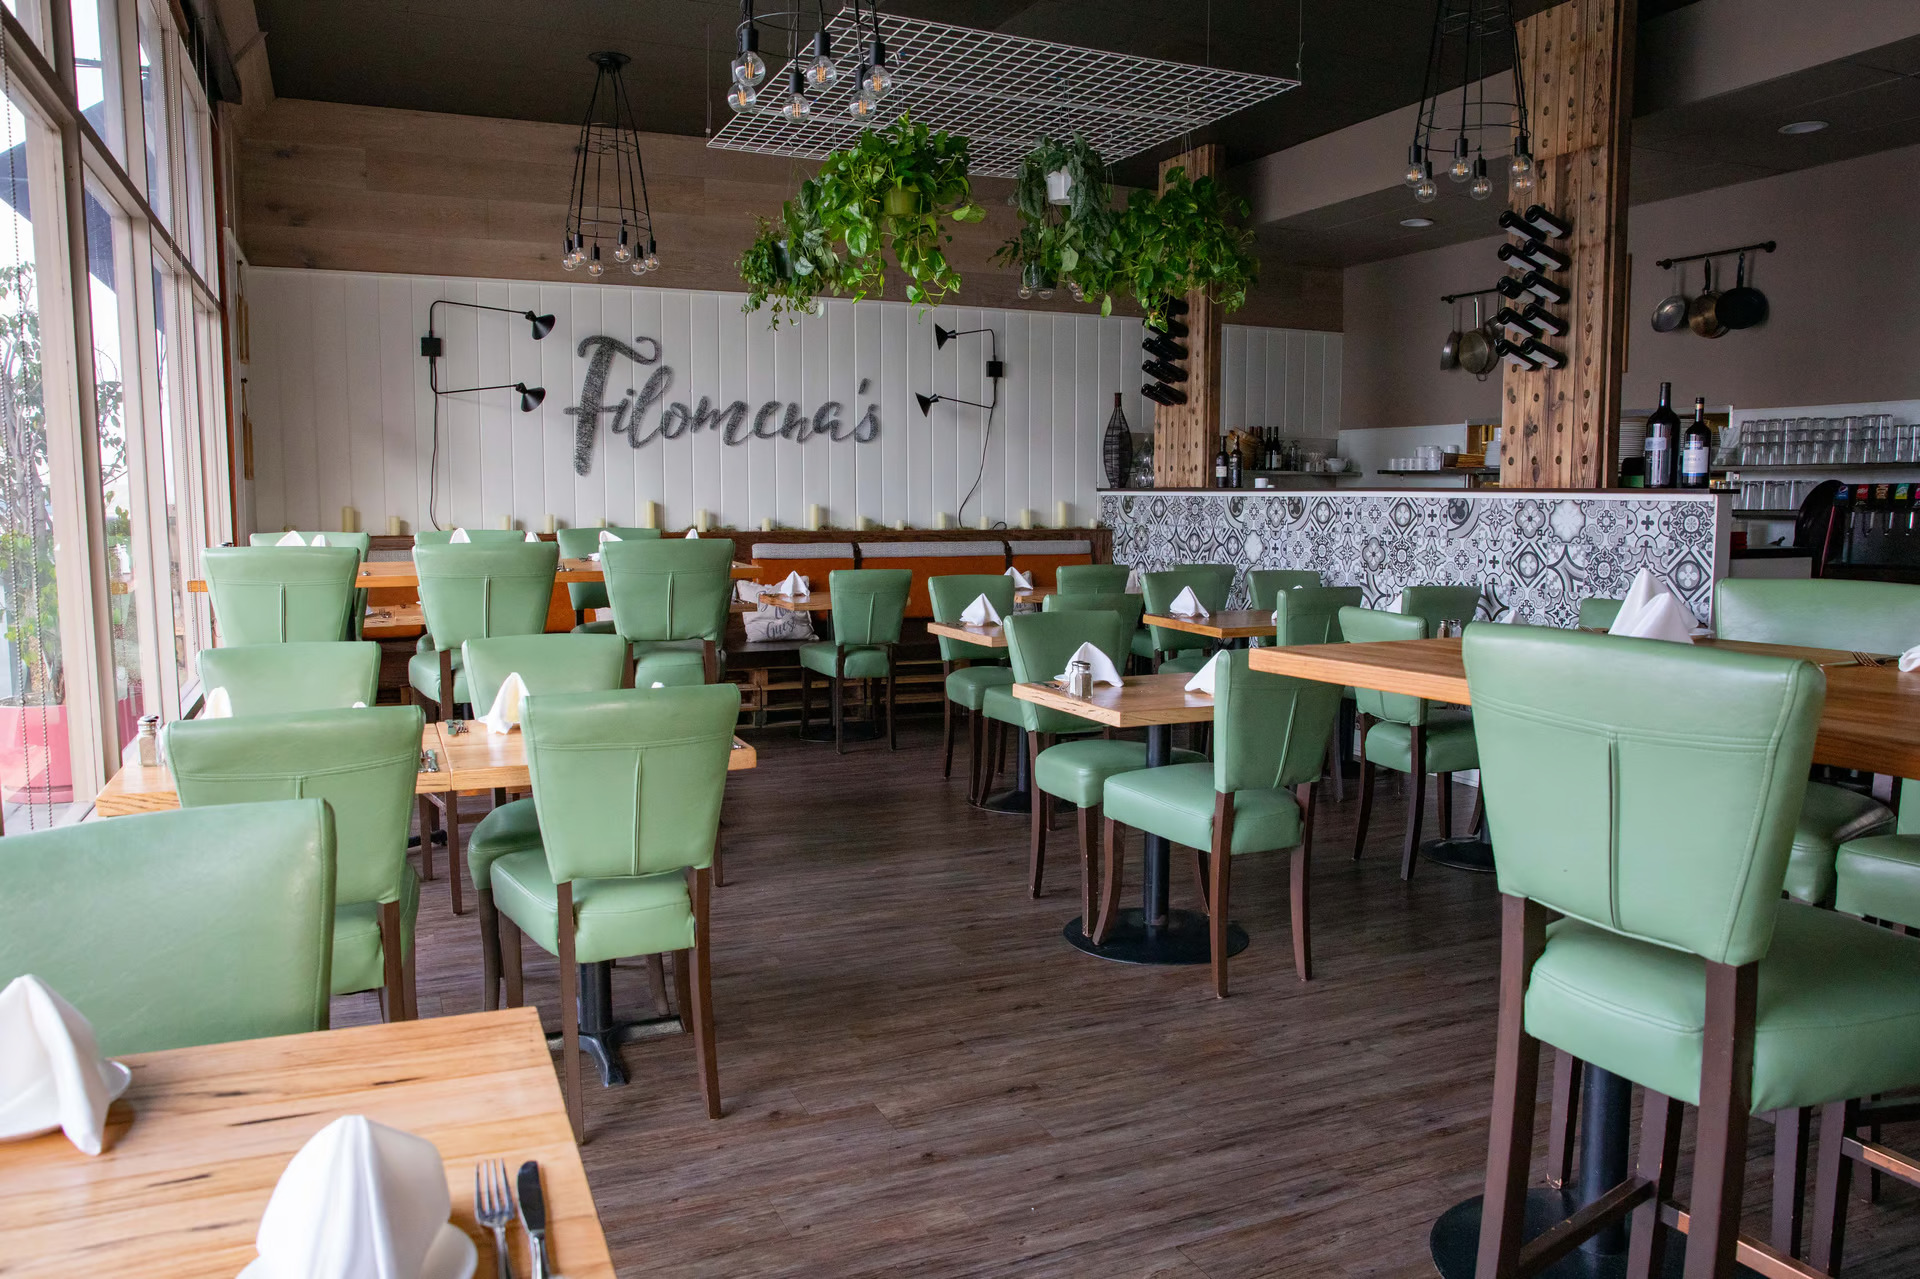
x,y
1232,623
138,788
994,636
203,1134
1871,719
1141,701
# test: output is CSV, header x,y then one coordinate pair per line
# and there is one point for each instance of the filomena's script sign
x,y
775,420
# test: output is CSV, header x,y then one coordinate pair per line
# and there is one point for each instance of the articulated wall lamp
x,y
928,401
433,348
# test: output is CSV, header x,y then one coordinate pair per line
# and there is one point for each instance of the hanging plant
x,y
1067,221
1182,240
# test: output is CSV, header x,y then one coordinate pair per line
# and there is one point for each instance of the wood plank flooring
x,y
922,1078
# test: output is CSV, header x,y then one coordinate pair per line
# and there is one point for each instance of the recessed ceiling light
x,y
1416,222
1803,126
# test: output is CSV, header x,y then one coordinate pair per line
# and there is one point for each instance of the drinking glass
x,y
1849,440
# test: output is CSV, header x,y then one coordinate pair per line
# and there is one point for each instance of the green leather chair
x,y
1091,579
671,598
969,669
279,679
1597,612
280,594
475,591
363,763
1129,606
628,784
577,544
169,930
1437,604
1269,741
1181,652
1646,794
1879,876
1310,614
868,605
1040,645
1264,585
1410,735
361,542
1871,617
475,537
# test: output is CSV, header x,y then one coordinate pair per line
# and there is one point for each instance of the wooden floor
x,y
922,1078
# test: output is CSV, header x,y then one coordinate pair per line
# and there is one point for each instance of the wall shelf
x,y
1818,468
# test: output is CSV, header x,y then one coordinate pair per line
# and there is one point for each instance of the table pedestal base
x,y
1181,940
600,1035
1468,853
1455,1242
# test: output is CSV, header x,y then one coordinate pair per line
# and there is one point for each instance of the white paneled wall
x,y
342,415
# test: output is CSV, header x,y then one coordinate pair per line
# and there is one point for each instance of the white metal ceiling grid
x,y
1002,93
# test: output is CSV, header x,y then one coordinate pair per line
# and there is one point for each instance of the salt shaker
x,y
148,742
1079,679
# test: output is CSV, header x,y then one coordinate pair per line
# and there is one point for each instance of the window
x,y
96,71
153,114
196,146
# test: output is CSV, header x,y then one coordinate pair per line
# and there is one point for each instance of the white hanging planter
x,y
1059,186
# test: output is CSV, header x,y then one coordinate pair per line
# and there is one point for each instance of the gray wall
x,y
1844,288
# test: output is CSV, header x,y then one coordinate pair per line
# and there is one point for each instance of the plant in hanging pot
x,y
1068,239
1182,240
891,191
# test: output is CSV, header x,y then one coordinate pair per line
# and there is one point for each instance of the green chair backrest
x,y
561,663
629,782
1211,584
475,537
1598,612
1091,579
1040,645
578,543
1826,612
1648,788
1437,604
950,596
1129,606
280,594
280,679
1371,626
1264,585
477,592
868,604
169,930
1269,731
362,762
361,542
1311,614
671,588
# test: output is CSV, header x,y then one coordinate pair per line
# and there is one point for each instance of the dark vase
x,y
1116,450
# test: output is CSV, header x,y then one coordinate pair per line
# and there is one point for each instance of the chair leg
x,y
1366,790
1720,1143
427,813
1113,835
446,684
456,856
1443,797
409,976
1567,1070
839,700
570,1015
1089,820
489,951
893,743
510,968
946,724
806,699
657,986
1830,1185
703,1048
1220,868
1333,769
683,991
976,743
1037,840
1516,1074
1479,814
1299,892
1416,802
1659,1162
1790,1133
394,977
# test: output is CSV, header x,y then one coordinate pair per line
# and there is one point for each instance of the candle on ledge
x,y
349,520
702,520
986,521
506,522
649,515
602,522
943,520
766,523
547,525
1026,518
816,517
901,525
1063,514
395,526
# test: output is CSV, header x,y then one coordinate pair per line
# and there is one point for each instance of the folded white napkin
x,y
532,536
1021,582
1394,605
459,535
505,711
608,535
358,706
693,532
1910,660
794,587
51,1072
1133,581
1099,662
1202,681
219,704
1187,604
981,612
1652,611
294,539
361,1201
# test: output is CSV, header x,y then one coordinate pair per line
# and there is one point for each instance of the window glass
x,y
153,113
33,16
96,61
193,151
175,490
107,255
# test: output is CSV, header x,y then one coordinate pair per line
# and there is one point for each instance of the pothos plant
x,y
791,261
1181,239
1070,242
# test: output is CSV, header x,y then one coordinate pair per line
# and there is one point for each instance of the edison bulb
x,y
652,259
798,107
637,266
594,267
879,79
749,68
569,262
1427,191
742,97
621,251
863,102
1521,172
1414,173
1026,290
1482,185
822,71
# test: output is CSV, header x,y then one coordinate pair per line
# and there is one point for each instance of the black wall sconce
x,y
995,370
433,348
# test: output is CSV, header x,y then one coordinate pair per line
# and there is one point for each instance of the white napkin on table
x,y
1133,582
1395,604
459,535
291,539
51,1072
505,711
794,586
532,536
980,613
606,535
1187,604
1202,681
1910,660
1021,582
693,532
360,1201
219,704
1652,611
1097,661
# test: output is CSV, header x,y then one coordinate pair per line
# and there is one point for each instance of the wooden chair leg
x,y
683,991
1299,890
456,856
427,826
409,977
1333,769
806,699
1366,790
1416,802
394,981
1830,1185
1658,1161
839,711
489,951
1516,1074
1791,1129
976,744
1089,821
446,684
1720,1142
1037,840
1443,795
946,722
703,1047
510,969
570,1015
719,855
1110,877
657,986
1220,867
1567,1069
893,743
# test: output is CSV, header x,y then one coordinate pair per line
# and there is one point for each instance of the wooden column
x,y
1186,436
1561,427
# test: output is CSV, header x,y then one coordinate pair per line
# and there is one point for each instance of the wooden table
x,y
1154,934
986,636
1228,624
383,574
203,1134
137,788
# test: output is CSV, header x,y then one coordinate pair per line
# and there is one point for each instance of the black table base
x,y
1181,940
1455,1242
600,1035
1467,853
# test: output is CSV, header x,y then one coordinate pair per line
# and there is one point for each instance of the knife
x,y
533,1215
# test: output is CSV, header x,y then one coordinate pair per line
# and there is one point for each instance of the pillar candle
x,y
349,520
816,517
506,521
986,521
943,520
649,515
702,520
601,522
900,525
766,523
395,525
1026,518
546,524
1062,514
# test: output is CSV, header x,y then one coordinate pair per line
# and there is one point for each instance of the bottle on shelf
x,y
1547,224
1696,448
1234,464
1663,434
1220,466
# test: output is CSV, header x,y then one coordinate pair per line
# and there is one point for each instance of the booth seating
x,y
811,560
1041,560
933,559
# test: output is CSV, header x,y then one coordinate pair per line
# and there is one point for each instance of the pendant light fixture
x,y
808,73
1470,38
609,220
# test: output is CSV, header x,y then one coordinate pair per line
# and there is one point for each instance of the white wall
x,y
342,414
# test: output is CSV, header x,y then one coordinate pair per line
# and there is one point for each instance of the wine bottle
x,y
1696,448
1539,285
1272,449
1545,356
1544,320
1533,254
1515,354
1663,431
1546,224
1220,466
1234,474
1518,327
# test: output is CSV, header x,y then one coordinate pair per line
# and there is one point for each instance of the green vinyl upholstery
x,y
1040,645
475,537
577,544
1371,626
478,591
1597,613
1879,877
360,542
363,763
280,594
670,599
173,929
868,605
278,679
1129,606
1264,585
569,663
1311,614
1091,579
1211,584
951,594
1437,604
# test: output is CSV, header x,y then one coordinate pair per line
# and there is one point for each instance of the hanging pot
x,y
782,260
1476,351
1450,349
1672,311
1059,187
1703,315
1742,307
903,202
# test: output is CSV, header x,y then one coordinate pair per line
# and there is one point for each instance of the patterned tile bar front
x,y
1535,554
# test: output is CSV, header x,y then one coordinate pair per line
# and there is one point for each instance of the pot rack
x,y
1451,298
1765,246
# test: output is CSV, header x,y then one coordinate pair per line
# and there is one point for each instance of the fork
x,y
493,1207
